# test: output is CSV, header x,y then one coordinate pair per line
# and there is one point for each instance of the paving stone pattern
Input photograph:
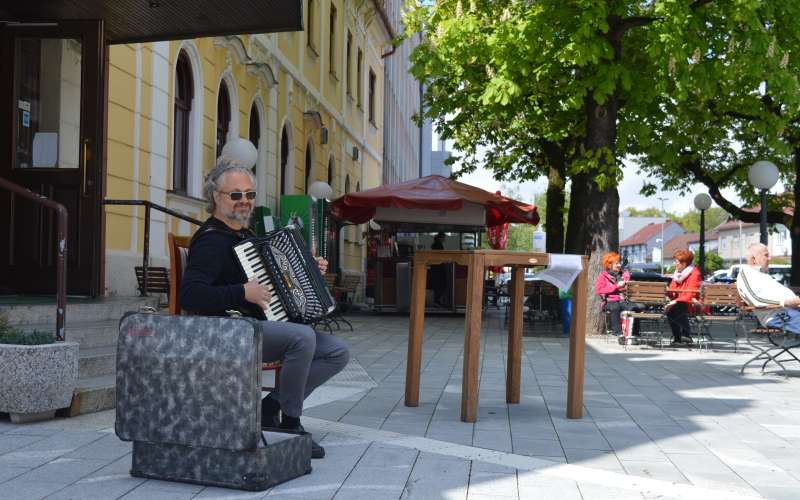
x,y
672,423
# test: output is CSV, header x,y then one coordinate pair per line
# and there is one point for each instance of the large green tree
x,y
577,74
734,99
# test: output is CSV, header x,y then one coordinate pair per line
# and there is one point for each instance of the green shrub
x,y
11,335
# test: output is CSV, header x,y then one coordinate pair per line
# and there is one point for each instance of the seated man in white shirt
x,y
776,305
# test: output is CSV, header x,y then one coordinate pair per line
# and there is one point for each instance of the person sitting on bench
x,y
776,305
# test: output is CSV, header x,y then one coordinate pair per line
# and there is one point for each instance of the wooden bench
x,y
157,279
720,304
653,295
345,291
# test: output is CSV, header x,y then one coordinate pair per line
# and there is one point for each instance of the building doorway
x,y
52,143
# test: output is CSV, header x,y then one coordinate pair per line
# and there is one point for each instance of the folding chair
x,y
778,342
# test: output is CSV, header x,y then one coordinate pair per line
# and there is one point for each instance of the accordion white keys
x,y
282,262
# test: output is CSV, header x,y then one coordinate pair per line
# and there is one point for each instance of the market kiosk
x,y
403,219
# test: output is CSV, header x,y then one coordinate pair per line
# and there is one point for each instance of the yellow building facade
x,y
311,101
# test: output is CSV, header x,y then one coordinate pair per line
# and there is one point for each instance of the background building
x,y
311,102
644,246
735,236
628,225
401,134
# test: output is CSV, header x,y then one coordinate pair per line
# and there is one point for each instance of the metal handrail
x,y
147,206
61,249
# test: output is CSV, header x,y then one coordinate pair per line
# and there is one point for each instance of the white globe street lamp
x,y
320,190
763,175
242,151
702,202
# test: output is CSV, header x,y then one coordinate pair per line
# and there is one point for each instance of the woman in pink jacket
x,y
610,285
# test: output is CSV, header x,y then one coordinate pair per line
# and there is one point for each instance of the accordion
x,y
282,262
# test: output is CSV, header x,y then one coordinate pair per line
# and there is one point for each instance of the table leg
x,y
415,330
515,335
577,345
472,339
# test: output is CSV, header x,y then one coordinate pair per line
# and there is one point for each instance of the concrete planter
x,y
36,380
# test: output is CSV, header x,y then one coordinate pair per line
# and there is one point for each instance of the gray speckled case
x,y
189,397
286,457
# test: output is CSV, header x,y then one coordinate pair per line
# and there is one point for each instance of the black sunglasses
x,y
237,195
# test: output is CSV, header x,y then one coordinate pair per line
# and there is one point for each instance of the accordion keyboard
x,y
253,266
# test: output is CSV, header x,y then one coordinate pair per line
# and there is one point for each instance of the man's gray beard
x,y
243,219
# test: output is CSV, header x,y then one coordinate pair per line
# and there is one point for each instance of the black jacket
x,y
213,281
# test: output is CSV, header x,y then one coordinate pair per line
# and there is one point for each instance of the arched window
x,y
180,131
358,187
223,116
347,184
284,158
255,129
330,172
309,168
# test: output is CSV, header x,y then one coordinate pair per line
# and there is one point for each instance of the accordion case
x,y
189,397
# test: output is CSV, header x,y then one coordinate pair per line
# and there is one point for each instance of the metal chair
x,y
774,342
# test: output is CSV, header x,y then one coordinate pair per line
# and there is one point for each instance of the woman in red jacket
x,y
684,291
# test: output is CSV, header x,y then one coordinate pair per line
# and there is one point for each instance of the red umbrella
x,y
498,238
433,192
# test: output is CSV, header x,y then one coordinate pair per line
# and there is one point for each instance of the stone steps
x,y
96,361
93,394
82,311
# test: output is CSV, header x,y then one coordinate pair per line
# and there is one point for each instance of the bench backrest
x,y
647,292
720,295
157,279
330,280
350,282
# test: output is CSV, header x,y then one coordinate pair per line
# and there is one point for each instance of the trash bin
x,y
566,310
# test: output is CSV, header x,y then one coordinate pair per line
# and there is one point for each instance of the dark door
x,y
51,137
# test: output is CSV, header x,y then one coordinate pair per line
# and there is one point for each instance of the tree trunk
x,y
576,218
554,224
601,214
794,279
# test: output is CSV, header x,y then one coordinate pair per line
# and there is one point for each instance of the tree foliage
x,y
573,86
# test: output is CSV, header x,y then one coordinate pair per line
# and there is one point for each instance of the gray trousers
x,y
308,360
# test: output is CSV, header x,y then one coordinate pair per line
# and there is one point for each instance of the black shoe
x,y
270,421
317,451
687,340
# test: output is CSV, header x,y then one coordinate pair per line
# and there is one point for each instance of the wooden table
x,y
476,261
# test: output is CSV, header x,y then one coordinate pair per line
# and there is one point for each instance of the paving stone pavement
x,y
672,423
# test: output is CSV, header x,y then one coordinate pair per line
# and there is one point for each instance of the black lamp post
x,y
702,202
763,175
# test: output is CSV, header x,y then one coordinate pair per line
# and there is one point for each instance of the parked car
x,y
649,276
781,272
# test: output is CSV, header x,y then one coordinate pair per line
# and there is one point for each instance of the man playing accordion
x,y
214,282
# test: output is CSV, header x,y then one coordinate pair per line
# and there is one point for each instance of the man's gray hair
x,y
756,248
213,179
